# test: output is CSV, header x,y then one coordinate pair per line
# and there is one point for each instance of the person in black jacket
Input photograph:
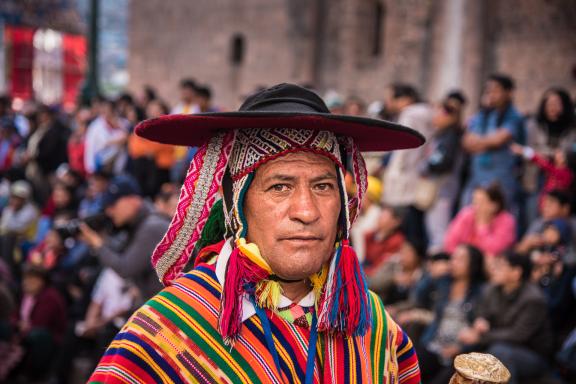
x,y
46,149
512,320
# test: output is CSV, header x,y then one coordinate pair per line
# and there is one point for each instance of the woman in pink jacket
x,y
485,224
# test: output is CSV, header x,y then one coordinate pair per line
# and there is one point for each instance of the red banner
x,y
19,60
19,43
74,66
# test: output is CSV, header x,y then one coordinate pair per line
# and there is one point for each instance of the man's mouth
x,y
300,238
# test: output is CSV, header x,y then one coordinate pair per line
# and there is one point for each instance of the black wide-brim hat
x,y
282,106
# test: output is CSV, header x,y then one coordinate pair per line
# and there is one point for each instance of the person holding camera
x,y
137,230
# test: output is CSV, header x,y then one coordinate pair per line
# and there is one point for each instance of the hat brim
x,y
194,130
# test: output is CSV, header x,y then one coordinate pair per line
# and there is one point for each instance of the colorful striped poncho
x,y
174,339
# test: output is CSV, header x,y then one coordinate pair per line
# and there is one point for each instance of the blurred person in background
x,y
556,169
19,120
10,142
485,223
367,221
45,151
402,170
111,304
138,229
149,94
76,143
355,106
555,205
382,243
125,103
92,203
188,105
552,128
188,98
17,224
490,131
151,162
555,276
442,167
41,323
512,320
106,141
455,303
204,99
166,200
407,270
554,124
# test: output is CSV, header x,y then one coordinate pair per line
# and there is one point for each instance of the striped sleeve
x,y
408,369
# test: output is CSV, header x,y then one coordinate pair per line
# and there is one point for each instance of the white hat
x,y
21,189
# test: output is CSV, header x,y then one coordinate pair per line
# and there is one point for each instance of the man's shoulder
x,y
194,294
533,294
155,221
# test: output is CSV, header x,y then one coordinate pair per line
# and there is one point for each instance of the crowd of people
x,y
469,239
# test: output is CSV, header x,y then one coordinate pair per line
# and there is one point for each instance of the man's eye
x,y
279,187
324,186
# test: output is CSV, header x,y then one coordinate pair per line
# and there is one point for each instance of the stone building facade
x,y
356,47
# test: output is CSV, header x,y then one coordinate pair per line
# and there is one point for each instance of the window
x,y
237,49
378,32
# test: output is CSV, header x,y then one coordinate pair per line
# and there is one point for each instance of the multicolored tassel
x,y
344,307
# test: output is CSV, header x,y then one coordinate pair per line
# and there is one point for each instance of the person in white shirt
x,y
105,148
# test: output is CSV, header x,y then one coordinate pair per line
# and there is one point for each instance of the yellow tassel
x,y
318,281
251,251
268,293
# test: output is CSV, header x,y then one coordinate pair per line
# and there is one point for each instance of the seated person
x,y
17,223
41,322
92,203
396,279
367,221
485,224
384,242
555,205
49,252
454,308
512,320
111,304
555,277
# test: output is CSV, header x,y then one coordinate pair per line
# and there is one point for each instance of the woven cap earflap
x,y
197,196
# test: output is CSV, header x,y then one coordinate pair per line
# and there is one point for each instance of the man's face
x,y
495,96
551,208
503,273
187,95
292,209
124,210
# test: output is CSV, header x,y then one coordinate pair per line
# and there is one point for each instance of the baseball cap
x,y
120,186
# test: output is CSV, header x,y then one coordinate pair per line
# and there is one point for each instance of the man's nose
x,y
304,206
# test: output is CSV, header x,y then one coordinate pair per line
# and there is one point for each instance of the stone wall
x,y
344,45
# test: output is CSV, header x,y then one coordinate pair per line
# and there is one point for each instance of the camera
x,y
97,222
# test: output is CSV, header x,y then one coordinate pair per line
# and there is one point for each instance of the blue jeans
x,y
522,362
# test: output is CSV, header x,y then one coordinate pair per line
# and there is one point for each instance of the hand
x,y
473,143
405,317
450,351
91,237
517,149
469,336
481,325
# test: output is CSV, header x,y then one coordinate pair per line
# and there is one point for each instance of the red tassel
x,y
240,273
354,305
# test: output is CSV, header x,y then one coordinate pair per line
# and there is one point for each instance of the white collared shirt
x,y
248,309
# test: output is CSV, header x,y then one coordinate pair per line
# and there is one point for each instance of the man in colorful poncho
x,y
278,295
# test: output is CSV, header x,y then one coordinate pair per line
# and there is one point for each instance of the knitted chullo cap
x,y
270,124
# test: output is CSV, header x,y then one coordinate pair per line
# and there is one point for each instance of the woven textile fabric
x,y
256,146
174,339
